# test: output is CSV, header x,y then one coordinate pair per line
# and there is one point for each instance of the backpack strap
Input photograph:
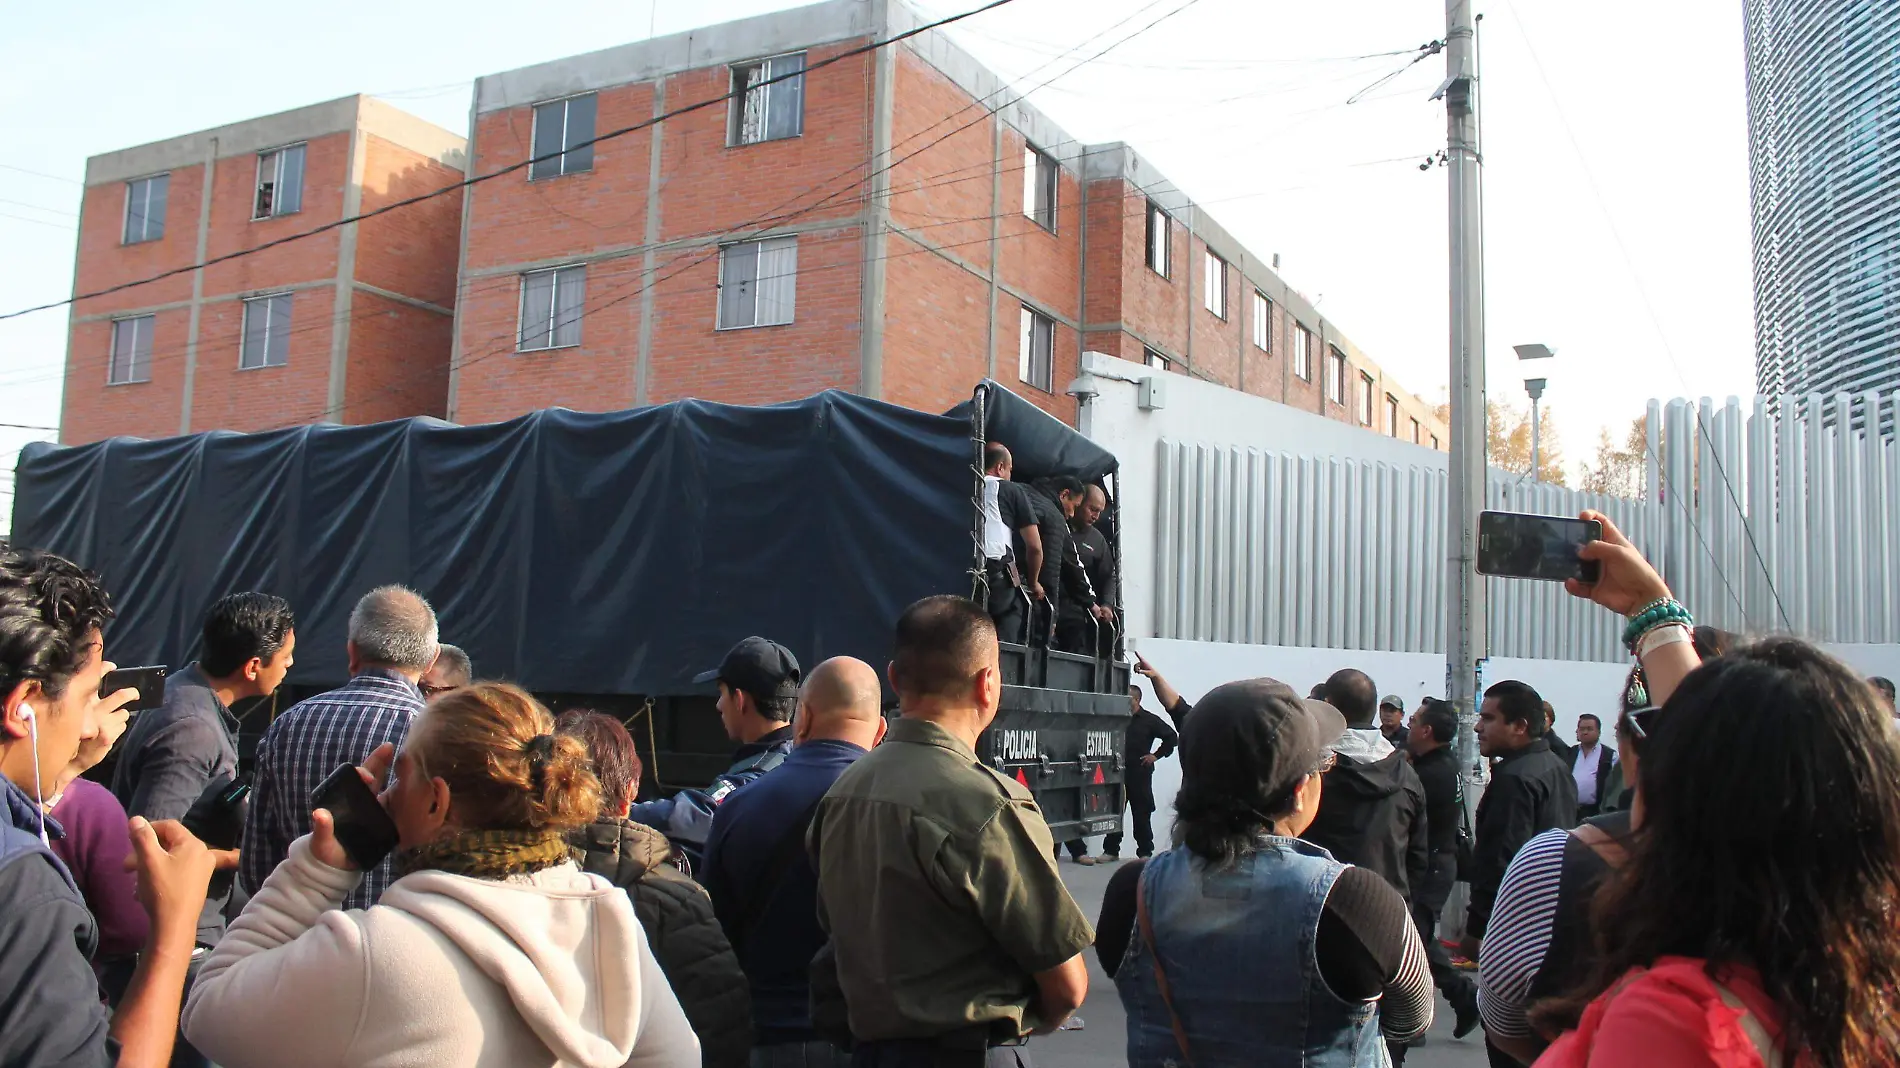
x,y
1752,1027
1161,976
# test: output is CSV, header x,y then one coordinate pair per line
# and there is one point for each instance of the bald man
x,y
758,874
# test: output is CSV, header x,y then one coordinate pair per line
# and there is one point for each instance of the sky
x,y
1615,141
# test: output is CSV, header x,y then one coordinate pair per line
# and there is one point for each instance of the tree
x,y
1507,444
1618,472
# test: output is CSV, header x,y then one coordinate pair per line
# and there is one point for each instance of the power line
x,y
498,349
1649,307
36,207
513,167
26,426
42,222
40,174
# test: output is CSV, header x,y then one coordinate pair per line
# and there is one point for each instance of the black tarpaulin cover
x,y
614,553
1039,443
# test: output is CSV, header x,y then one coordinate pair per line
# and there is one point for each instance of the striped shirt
x,y
1519,936
301,748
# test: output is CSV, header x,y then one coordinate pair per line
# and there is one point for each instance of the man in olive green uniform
x,y
953,936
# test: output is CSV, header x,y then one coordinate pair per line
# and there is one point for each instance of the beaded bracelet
x,y
1662,613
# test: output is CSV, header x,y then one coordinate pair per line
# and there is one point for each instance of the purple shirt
x,y
94,848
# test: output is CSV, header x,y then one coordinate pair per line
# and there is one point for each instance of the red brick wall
x,y
498,383
514,220
411,250
94,410
818,350
943,191
1155,307
104,262
398,363
1216,340
326,171
1263,377
936,330
226,398
757,184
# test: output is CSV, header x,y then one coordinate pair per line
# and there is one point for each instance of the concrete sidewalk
x,y
1104,1038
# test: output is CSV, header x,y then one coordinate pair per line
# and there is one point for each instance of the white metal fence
x,y
1759,525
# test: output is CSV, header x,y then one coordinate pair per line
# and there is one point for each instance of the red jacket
x,y
1673,1015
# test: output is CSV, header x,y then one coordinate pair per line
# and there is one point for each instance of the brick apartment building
x,y
894,223
352,325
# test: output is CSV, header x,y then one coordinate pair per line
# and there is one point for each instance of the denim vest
x,y
1237,948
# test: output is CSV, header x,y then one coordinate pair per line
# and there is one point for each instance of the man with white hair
x,y
392,644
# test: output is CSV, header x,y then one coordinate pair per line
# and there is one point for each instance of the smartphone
x,y
1514,545
363,829
148,681
217,817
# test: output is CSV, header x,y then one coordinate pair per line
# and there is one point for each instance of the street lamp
x,y
1534,387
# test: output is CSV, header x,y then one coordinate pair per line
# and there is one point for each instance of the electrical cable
x,y
1655,320
511,168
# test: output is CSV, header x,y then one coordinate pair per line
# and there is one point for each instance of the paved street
x,y
1103,1041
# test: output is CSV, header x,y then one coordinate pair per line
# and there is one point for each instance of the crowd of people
x,y
483,887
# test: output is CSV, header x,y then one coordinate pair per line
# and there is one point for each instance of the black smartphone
x,y
217,817
363,829
148,681
1514,545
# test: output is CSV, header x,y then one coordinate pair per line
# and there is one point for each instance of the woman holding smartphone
x,y
491,948
1753,922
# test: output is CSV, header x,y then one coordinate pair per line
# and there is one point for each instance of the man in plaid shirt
x,y
392,643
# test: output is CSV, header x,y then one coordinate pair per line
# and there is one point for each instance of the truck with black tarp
x,y
599,560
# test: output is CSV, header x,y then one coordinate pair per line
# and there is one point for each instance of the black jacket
x,y
680,926
1438,773
1372,813
1531,791
1144,730
1058,544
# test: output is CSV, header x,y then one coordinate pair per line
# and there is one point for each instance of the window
x,y
1262,322
131,351
1365,399
1159,239
266,332
552,303
1392,415
1156,360
1415,433
1216,285
563,135
1302,352
1336,377
145,208
1036,365
1039,187
758,283
279,182
773,104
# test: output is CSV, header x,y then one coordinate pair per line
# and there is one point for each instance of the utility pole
x,y
1467,466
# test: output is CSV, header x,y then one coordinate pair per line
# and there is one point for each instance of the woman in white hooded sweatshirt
x,y
492,949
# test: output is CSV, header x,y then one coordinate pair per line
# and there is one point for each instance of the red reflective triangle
x,y
1021,778
1099,778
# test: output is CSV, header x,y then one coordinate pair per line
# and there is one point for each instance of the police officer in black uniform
x,y
758,693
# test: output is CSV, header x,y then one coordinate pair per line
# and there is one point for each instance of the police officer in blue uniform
x,y
758,692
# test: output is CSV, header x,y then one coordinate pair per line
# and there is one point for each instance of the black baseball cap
x,y
1258,731
758,666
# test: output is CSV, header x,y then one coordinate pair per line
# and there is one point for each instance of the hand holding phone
x,y
1547,547
350,816
1625,581
148,681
